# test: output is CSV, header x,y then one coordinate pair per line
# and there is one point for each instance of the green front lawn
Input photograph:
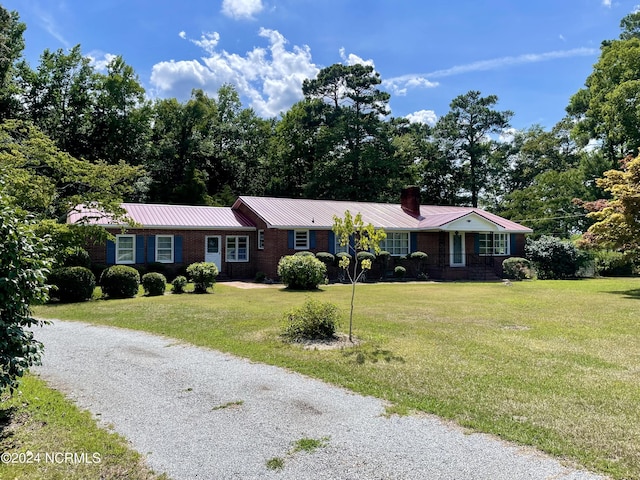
x,y
553,364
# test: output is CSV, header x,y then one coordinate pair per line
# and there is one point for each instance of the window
x,y
396,243
340,248
301,240
125,249
164,248
260,239
237,249
493,244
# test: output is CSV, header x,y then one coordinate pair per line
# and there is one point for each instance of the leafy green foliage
x,y
399,272
76,257
178,284
154,284
120,281
72,284
301,272
554,258
314,320
24,263
326,258
609,263
516,268
203,275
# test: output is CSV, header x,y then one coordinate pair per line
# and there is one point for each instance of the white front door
x,y
456,243
213,252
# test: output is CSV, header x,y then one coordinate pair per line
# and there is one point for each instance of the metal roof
x,y
304,213
170,216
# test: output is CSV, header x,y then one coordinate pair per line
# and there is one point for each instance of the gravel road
x,y
200,414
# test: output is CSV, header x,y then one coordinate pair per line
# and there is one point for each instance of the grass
x,y
45,437
552,364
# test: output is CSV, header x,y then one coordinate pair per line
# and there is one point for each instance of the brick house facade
x,y
253,234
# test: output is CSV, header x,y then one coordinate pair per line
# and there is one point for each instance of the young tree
x,y
11,46
357,237
24,265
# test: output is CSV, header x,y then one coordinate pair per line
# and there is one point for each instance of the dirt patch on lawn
x,y
339,341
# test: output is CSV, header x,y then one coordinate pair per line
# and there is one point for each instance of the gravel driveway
x,y
197,413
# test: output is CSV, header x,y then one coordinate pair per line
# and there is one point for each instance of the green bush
x,y
260,277
203,275
72,284
399,272
154,284
120,281
76,257
516,268
326,258
612,264
365,256
178,284
314,320
554,258
304,253
301,272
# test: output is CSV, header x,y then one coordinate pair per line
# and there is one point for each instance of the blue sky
x,y
532,54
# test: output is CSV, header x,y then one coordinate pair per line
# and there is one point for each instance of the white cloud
x,y
241,9
353,59
270,78
400,85
508,135
428,117
100,60
606,3
50,25
183,35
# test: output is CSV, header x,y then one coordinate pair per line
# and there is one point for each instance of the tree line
x,y
338,142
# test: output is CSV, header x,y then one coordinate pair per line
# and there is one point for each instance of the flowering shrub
x,y
301,272
203,275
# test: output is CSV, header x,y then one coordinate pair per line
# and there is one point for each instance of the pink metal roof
x,y
303,213
173,216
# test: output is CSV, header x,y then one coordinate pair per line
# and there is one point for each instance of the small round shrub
x,y
399,272
178,284
365,256
314,320
260,277
120,281
301,272
73,284
341,255
76,257
304,253
203,275
154,284
326,258
516,268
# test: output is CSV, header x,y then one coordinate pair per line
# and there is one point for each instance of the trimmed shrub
x,y
203,275
341,255
612,264
260,277
554,258
120,281
314,320
419,261
301,272
76,257
383,258
326,258
154,284
516,268
365,256
73,284
399,272
304,253
97,269
178,284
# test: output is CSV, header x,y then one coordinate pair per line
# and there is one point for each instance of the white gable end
x,y
471,223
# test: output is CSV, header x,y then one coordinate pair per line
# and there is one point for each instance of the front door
x,y
212,253
457,249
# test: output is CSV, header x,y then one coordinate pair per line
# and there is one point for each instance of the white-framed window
x,y
237,249
301,240
164,248
493,244
260,239
125,249
396,243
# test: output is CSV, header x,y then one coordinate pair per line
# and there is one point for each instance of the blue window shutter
x,y
151,248
139,249
177,249
514,246
476,243
290,235
111,252
312,239
352,244
413,242
332,242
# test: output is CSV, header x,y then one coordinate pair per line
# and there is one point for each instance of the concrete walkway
x,y
200,414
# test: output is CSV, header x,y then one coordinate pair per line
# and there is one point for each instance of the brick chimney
x,y
410,200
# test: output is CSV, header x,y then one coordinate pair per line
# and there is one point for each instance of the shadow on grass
x,y
6,418
633,294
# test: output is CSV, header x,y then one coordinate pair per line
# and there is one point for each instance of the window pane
x,y
125,256
164,242
213,245
125,242
301,239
